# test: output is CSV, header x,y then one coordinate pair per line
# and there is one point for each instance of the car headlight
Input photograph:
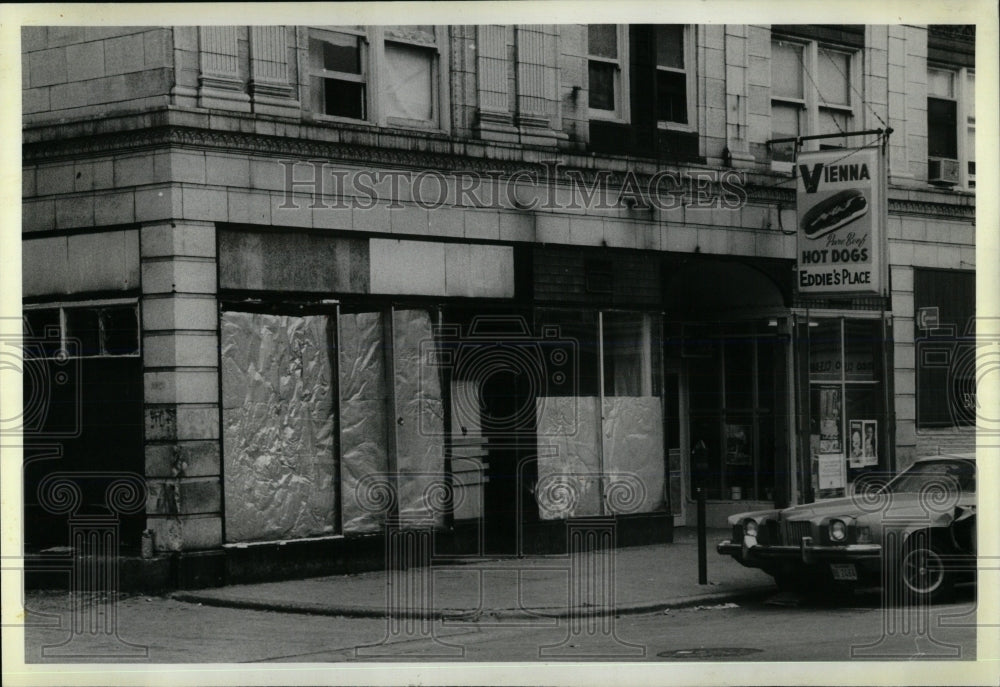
x,y
864,535
838,530
750,527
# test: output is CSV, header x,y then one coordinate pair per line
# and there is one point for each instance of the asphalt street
x,y
162,630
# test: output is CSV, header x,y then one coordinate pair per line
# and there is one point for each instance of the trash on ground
x,y
716,607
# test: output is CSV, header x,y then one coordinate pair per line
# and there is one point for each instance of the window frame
x,y
436,78
811,105
98,305
965,118
877,386
374,67
622,111
363,78
966,123
690,82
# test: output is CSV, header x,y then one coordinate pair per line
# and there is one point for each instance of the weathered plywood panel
x,y
419,420
277,416
633,454
568,461
363,423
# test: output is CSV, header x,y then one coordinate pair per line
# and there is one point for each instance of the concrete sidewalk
x,y
645,579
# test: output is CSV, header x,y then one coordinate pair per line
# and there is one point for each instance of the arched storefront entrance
x,y
728,361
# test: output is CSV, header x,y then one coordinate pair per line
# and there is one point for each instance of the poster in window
x,y
829,420
870,443
856,434
737,444
832,472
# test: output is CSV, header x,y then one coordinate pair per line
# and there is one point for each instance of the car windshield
x,y
926,474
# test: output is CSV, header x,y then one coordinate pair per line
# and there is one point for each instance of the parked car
x,y
914,534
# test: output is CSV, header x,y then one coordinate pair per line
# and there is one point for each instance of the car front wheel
x,y
924,574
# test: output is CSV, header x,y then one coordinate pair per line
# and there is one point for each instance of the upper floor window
x,y
951,127
607,71
814,90
339,78
674,77
388,75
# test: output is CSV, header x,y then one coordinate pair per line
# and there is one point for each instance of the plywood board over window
x,y
278,438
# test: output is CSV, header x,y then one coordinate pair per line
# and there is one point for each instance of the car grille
x,y
771,534
794,531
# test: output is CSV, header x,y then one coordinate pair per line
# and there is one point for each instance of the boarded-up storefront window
x,y
362,419
277,414
601,449
286,379
419,419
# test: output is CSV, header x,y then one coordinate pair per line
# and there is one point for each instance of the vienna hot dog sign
x,y
839,221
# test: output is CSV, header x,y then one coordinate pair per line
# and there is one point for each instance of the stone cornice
x,y
403,151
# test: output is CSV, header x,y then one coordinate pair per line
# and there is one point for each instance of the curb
x,y
460,615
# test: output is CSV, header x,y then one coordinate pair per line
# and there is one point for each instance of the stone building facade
x,y
270,250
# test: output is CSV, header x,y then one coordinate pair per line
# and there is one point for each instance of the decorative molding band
x,y
455,160
901,206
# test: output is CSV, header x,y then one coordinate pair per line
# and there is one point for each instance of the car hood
x,y
841,506
878,506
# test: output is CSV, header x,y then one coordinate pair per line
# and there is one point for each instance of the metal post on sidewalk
x,y
702,536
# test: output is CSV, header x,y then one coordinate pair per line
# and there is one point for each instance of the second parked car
x,y
914,534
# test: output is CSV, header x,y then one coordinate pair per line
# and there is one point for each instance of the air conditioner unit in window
x,y
942,171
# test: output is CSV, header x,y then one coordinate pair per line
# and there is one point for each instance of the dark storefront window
x,y
944,331
83,396
84,332
737,391
630,367
847,432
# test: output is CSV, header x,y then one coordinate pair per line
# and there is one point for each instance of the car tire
x,y
788,583
924,576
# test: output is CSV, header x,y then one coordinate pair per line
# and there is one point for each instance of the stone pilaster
x,y
737,95
270,86
496,121
219,84
181,385
537,83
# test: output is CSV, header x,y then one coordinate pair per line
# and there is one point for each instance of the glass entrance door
x,y
737,391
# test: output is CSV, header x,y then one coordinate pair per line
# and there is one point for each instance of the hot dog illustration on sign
x,y
835,212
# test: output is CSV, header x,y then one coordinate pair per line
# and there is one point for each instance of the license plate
x,y
843,571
